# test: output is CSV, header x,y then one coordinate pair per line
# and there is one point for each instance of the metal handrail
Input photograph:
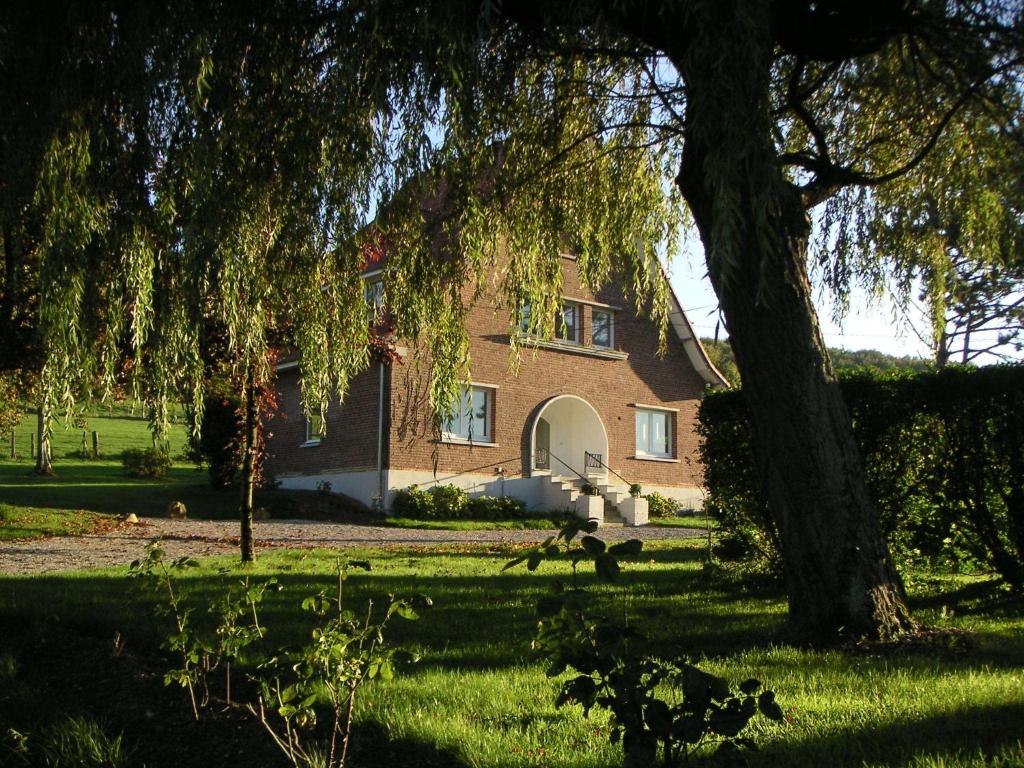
x,y
584,478
597,458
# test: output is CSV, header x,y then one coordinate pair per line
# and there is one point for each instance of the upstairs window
x,y
472,418
602,328
653,433
567,327
373,291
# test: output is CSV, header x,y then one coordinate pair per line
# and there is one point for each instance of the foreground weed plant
x,y
658,705
346,650
201,654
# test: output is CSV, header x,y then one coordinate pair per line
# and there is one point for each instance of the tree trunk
x,y
249,438
44,464
839,575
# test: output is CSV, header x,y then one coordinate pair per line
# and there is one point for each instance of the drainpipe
x,y
380,438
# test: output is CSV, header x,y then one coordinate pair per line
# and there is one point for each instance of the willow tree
x,y
951,234
755,114
527,130
199,175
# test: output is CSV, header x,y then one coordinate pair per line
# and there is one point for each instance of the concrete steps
x,y
564,493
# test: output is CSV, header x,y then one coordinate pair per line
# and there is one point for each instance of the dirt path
x,y
203,538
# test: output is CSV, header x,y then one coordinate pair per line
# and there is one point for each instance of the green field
x,y
480,698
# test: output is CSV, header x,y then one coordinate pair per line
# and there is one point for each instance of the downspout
x,y
380,439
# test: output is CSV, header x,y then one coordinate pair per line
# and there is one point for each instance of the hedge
x,y
943,453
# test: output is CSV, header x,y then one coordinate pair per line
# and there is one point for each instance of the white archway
x,y
574,428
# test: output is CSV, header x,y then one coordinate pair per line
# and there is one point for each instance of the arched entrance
x,y
565,430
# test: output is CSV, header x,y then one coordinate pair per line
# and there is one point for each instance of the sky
x,y
870,324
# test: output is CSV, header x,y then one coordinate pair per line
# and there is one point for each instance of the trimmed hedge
x,y
943,453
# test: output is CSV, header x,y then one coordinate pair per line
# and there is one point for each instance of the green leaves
x,y
593,546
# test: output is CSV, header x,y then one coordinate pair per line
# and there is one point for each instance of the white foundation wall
x,y
361,486
689,497
536,492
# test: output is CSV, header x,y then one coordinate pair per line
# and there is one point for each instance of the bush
x,y
449,501
495,508
943,453
413,502
150,463
660,506
216,447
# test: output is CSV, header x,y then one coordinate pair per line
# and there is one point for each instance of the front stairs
x,y
565,493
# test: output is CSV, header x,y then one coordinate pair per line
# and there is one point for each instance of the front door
x,y
541,455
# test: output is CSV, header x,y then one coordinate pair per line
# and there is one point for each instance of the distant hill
x,y
721,355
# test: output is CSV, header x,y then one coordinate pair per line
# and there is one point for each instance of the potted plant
x,y
635,490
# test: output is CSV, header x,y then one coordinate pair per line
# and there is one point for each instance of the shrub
x,y
944,460
449,501
413,502
216,447
495,508
661,506
151,463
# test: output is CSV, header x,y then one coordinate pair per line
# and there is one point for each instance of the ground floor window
x,y
314,428
472,417
653,433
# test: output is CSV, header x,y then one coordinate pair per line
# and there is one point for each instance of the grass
x,y
118,425
683,521
479,697
31,523
525,524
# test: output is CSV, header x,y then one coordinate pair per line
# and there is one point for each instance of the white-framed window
x,y
602,328
373,291
472,417
567,327
314,429
653,433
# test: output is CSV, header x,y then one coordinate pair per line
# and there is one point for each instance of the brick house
x,y
596,403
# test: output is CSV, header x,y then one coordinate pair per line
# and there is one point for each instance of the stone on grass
x,y
261,513
131,519
176,510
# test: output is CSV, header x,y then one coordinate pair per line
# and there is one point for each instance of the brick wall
x,y
610,386
350,439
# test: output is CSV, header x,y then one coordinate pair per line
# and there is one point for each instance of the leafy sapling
x,y
659,707
201,653
185,643
345,651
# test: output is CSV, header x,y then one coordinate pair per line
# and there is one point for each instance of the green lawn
x,y
30,523
479,697
119,427
526,524
693,520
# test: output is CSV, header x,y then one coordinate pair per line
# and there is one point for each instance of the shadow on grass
x,y
982,732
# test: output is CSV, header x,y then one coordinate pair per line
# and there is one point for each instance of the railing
x,y
541,459
584,478
594,460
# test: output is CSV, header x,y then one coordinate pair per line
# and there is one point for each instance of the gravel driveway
x,y
202,538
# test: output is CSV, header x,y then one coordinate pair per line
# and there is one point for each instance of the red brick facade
x,y
613,387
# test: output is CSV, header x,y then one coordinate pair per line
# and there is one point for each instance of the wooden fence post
x,y
95,444
85,446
